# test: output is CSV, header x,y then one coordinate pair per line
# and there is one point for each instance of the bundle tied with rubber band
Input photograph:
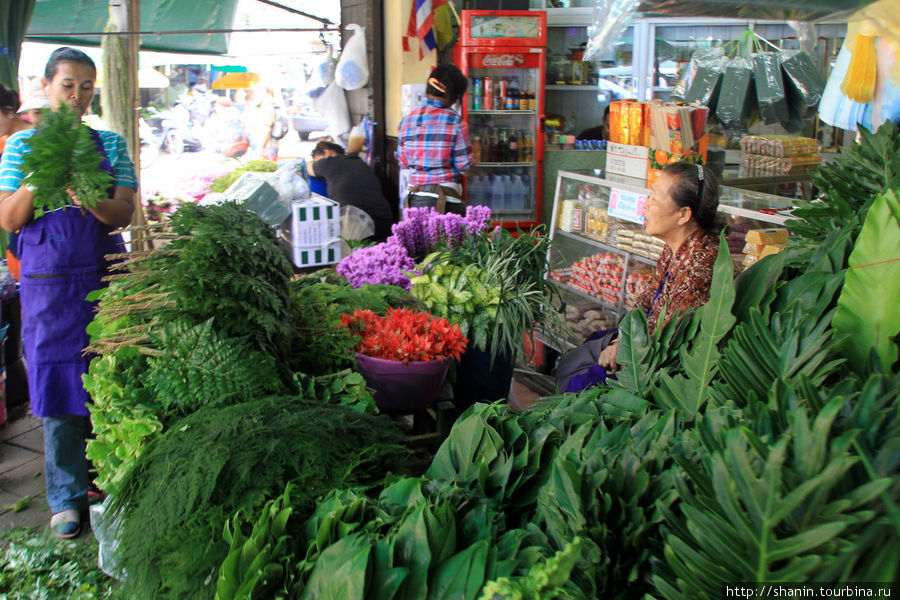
x,y
64,157
770,94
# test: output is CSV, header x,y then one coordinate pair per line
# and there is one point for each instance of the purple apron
x,y
62,256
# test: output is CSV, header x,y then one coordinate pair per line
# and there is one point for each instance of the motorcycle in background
x,y
166,131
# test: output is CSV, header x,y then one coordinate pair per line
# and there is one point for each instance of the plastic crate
x,y
315,223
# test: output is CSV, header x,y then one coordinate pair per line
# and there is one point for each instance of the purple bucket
x,y
403,388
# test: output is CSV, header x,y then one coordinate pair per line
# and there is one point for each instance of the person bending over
x,y
350,182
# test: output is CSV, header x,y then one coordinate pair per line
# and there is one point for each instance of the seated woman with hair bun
x,y
681,211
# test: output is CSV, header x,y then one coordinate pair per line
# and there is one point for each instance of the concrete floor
x,y
22,470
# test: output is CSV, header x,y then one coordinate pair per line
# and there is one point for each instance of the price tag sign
x,y
626,205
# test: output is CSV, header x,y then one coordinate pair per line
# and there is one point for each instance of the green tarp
x,y
800,10
64,19
13,20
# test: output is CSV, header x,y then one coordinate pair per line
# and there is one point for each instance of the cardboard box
x,y
329,254
774,235
631,161
660,158
315,222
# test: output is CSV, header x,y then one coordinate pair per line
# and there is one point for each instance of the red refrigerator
x,y
503,53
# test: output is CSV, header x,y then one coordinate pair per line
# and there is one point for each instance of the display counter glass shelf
x,y
601,259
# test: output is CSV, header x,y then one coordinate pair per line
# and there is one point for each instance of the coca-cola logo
x,y
504,60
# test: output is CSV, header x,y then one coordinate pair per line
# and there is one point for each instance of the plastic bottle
x,y
473,190
517,191
476,148
486,191
498,196
526,197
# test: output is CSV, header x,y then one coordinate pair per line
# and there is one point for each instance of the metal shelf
x,y
502,112
573,87
599,301
504,164
608,247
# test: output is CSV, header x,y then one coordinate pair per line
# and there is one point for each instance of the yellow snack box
x,y
774,235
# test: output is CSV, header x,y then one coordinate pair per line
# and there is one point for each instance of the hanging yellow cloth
x,y
873,33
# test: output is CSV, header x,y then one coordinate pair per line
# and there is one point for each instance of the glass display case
x,y
599,256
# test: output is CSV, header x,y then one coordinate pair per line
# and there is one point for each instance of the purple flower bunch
x,y
419,233
382,263
423,229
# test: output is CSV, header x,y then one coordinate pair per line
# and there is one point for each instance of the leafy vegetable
x,y
64,157
868,308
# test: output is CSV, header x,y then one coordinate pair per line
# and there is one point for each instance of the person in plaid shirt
x,y
433,143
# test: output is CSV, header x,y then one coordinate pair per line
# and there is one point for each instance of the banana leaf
x,y
868,308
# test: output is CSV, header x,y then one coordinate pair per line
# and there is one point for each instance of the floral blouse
x,y
686,276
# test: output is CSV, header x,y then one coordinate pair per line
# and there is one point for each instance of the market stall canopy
x,y
235,81
800,10
157,16
147,78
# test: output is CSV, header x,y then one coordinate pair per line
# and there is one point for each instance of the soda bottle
x,y
512,147
476,148
513,102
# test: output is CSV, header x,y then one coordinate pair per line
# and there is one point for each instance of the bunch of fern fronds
x,y
64,157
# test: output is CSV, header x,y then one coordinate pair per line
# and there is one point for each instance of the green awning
x,y
800,10
64,20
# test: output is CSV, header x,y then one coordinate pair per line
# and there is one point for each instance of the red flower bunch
x,y
405,335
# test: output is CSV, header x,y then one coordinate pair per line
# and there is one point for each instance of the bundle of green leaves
x,y
220,184
493,287
198,322
64,157
747,441
221,464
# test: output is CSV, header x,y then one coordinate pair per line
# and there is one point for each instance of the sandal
x,y
94,495
66,524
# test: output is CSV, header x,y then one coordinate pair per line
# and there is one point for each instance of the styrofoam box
x,y
623,159
328,254
315,222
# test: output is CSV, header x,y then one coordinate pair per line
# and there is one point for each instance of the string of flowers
x,y
421,231
405,335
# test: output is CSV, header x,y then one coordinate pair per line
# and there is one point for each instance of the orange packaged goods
x,y
629,122
676,134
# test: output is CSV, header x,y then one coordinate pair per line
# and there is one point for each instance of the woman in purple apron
x,y
62,255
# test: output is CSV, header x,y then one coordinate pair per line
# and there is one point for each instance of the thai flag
x,y
421,25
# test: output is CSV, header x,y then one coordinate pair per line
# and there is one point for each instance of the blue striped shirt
x,y
11,174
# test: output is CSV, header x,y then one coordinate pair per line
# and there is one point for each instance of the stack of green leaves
x,y
222,464
64,157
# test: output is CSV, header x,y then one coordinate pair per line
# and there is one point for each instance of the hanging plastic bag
x,y
707,83
770,94
322,75
803,82
609,20
737,98
699,56
332,104
352,70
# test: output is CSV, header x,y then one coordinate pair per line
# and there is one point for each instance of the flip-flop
x,y
95,496
66,524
